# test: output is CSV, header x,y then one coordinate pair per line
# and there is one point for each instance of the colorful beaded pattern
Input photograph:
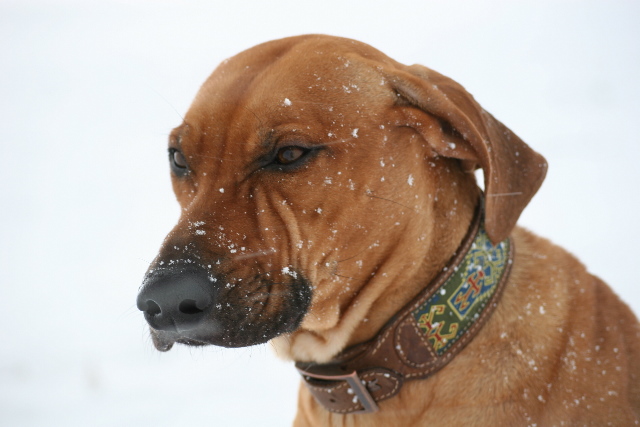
x,y
459,302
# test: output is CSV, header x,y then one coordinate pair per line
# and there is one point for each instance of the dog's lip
x,y
163,341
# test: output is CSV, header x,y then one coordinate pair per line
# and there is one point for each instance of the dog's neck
x,y
406,281
422,337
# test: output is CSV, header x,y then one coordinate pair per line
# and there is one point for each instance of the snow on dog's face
x,y
301,168
272,212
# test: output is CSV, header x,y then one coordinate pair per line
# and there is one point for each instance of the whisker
x,y
339,141
254,115
517,193
344,277
132,311
269,293
167,101
370,194
254,254
266,273
356,255
265,285
259,295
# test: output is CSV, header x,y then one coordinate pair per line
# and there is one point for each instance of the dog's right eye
x,y
290,155
289,158
178,162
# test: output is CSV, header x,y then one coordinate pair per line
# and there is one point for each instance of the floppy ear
x,y
513,172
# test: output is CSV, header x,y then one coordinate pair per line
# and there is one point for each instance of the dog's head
x,y
311,172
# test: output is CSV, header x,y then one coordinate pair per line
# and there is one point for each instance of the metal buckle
x,y
357,385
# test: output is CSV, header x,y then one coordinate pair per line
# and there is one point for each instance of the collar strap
x,y
421,338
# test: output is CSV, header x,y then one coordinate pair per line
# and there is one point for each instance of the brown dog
x,y
328,200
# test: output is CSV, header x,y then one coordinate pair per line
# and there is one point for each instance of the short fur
x,y
372,216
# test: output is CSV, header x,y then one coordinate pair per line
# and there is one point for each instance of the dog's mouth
x,y
251,333
164,341
186,306
243,336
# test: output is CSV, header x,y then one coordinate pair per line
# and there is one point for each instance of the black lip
x,y
240,332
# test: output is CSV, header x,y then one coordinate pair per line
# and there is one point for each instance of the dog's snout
x,y
176,300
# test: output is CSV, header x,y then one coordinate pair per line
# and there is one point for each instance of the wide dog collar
x,y
422,337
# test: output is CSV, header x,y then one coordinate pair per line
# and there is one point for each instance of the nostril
x,y
189,306
153,309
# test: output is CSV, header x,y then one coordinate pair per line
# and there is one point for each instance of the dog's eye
x,y
178,162
289,155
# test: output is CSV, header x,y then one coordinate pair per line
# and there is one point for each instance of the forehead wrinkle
x,y
255,96
267,139
253,133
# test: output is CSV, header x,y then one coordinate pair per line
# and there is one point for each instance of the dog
x,y
330,206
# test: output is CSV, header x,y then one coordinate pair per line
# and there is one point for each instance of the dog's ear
x,y
513,172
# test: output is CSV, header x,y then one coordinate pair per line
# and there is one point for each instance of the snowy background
x,y
89,91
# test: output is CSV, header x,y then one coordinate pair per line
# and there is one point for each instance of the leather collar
x,y
422,337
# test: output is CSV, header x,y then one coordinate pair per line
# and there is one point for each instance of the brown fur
x,y
376,215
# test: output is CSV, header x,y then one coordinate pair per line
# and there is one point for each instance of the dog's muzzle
x,y
195,304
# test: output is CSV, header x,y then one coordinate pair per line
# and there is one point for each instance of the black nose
x,y
176,300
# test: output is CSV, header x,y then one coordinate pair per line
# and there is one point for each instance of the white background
x,y
89,91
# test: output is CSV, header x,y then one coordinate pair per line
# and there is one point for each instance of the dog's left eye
x,y
178,162
289,155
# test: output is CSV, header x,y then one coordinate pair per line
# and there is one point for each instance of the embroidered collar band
x,y
422,337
